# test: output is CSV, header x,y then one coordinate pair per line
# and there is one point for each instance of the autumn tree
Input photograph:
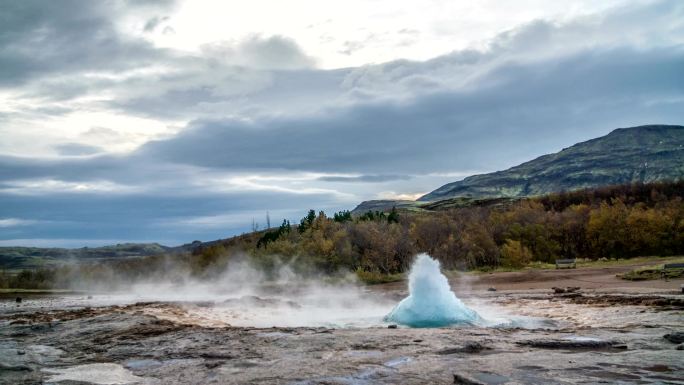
x,y
514,254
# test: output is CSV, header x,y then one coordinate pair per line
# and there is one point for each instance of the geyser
x,y
430,303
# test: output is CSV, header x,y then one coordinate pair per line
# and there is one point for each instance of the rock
x,y
18,300
567,344
572,289
558,290
675,338
450,351
491,289
469,347
217,355
474,347
14,368
658,368
392,326
90,297
570,295
214,364
680,347
659,302
463,380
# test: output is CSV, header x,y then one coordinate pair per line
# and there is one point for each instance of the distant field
x,y
18,258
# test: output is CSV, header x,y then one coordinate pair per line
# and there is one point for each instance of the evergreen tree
x,y
342,216
307,221
393,216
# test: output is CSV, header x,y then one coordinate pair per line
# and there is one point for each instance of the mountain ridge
x,y
639,154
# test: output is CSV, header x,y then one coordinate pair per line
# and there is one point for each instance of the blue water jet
x,y
430,303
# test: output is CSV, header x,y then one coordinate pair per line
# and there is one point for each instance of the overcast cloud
x,y
111,133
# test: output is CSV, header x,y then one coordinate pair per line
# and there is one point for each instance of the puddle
x,y
491,378
364,353
582,339
142,364
274,334
397,362
524,322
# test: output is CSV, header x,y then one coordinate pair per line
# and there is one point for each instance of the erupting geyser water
x,y
430,303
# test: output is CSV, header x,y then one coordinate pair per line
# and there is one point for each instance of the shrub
x,y
514,254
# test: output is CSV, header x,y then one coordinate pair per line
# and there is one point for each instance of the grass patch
x,y
651,273
627,261
642,273
507,269
584,263
371,278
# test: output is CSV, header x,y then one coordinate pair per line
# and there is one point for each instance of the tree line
x,y
611,222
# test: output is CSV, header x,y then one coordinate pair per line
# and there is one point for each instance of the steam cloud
x,y
244,295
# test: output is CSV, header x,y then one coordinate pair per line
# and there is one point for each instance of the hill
x,y
641,154
13,258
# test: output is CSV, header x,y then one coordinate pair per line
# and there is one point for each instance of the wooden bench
x,y
670,266
565,264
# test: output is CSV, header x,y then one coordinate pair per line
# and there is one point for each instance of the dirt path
x,y
597,278
600,279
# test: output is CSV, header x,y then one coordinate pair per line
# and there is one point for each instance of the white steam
x,y
245,296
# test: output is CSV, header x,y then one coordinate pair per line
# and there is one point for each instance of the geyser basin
x,y
430,303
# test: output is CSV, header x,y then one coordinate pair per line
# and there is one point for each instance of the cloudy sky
x,y
172,121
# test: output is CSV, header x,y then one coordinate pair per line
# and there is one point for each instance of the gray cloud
x,y
38,39
522,110
154,22
506,96
274,52
46,47
259,87
77,149
525,110
68,169
234,91
364,178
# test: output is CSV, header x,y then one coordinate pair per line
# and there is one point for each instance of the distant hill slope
x,y
13,258
626,155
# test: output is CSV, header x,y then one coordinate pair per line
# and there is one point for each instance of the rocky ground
x,y
573,336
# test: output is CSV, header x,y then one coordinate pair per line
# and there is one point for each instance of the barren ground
x,y
609,331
